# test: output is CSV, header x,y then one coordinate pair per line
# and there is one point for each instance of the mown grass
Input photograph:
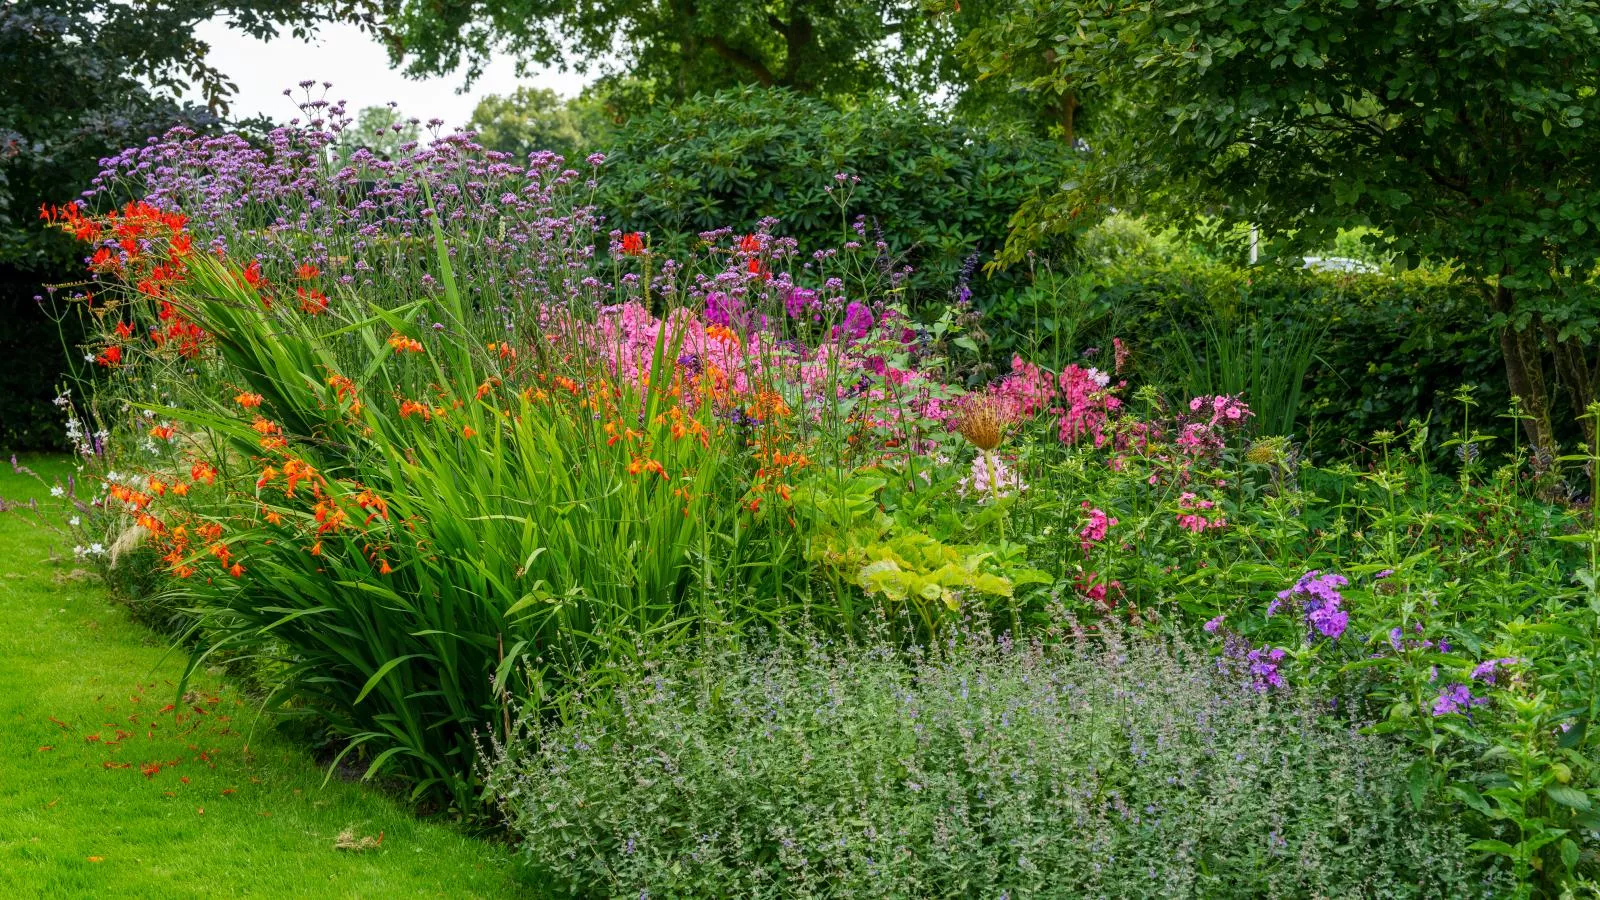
x,y
100,793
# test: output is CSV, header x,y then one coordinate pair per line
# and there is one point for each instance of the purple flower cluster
x,y
1456,698
1323,604
1485,671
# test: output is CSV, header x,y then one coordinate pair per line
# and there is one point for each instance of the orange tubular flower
x,y
375,506
110,357
409,408
203,471
403,344
633,243
248,401
307,271
162,432
468,432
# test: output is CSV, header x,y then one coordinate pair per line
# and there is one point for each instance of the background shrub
x,y
937,188
979,769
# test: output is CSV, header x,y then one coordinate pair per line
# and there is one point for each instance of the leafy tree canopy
x,y
532,119
379,129
836,47
1464,131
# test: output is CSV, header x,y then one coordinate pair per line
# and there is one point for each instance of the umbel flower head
x,y
984,419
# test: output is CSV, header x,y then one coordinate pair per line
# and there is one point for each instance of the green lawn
x,y
101,794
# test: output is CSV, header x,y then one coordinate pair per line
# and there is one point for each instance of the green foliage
x,y
533,119
380,130
971,768
1466,133
680,49
937,189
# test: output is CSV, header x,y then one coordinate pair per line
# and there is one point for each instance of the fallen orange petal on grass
x,y
97,859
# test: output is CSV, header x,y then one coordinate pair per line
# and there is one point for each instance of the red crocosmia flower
x,y
124,330
312,303
633,243
307,271
252,274
110,357
750,244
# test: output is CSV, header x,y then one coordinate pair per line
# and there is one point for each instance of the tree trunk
x,y
1524,370
1572,368
1069,115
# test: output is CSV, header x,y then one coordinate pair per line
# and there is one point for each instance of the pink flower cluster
x,y
1193,512
1083,398
1095,530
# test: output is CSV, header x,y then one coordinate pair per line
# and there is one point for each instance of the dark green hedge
x,y
34,365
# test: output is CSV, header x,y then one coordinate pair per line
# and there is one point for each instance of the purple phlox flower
x,y
1485,670
1382,575
1456,698
1321,600
1263,663
1214,624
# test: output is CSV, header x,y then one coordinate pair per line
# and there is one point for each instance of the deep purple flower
x,y
1485,670
1456,698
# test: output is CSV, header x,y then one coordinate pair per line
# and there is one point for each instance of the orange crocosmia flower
x,y
316,549
750,244
403,344
384,568
162,432
248,401
210,532
468,432
181,489
633,243
252,274
307,271
157,486
236,570
267,475
374,505
409,408
273,443
203,471
265,426
124,330
273,518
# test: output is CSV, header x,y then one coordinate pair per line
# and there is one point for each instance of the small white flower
x,y
58,491
97,549
79,550
1100,378
74,521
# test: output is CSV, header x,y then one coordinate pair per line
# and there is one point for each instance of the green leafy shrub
x,y
937,189
972,768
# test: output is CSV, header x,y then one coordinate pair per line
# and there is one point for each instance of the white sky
x,y
358,66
